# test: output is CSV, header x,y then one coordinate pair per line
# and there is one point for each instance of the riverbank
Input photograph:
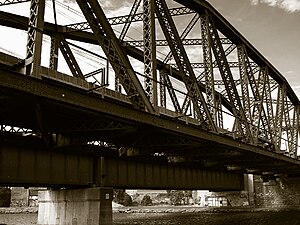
x,y
164,209
196,209
18,210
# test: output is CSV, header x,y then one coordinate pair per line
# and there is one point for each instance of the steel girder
x,y
87,124
220,119
115,54
187,41
150,72
279,115
124,31
182,61
186,31
244,70
70,58
125,19
186,102
35,37
19,130
54,53
231,48
239,113
295,134
257,118
269,105
171,91
133,11
291,128
287,122
166,83
9,2
168,57
162,89
201,65
208,69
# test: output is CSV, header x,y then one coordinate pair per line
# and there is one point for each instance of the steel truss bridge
x,y
170,82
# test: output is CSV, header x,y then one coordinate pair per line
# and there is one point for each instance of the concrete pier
x,y
91,206
277,192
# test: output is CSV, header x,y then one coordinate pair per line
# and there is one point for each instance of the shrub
x,y
146,200
121,197
127,201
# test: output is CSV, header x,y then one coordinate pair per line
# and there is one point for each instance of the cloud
x,y
288,5
105,4
254,2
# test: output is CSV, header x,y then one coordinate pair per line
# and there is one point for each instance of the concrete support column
x,y
249,187
280,191
91,206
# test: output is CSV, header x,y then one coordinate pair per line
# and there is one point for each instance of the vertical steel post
x,y
296,129
54,53
150,51
244,82
208,68
35,38
269,104
279,116
163,97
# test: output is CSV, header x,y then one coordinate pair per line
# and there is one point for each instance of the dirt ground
x,y
18,219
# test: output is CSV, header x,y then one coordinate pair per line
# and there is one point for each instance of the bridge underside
x,y
25,162
72,117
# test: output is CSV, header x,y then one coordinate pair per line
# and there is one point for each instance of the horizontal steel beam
x,y
124,19
120,173
33,165
10,2
165,42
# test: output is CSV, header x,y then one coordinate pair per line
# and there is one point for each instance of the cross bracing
x,y
183,59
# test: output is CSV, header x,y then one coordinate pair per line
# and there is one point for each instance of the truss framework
x,y
226,78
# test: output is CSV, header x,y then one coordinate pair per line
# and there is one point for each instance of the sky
x,y
272,27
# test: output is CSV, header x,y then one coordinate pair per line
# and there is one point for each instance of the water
x,y
232,218
200,218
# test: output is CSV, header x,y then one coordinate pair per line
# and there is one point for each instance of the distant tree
x,y
179,196
121,197
118,195
127,201
187,194
5,194
146,200
176,197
